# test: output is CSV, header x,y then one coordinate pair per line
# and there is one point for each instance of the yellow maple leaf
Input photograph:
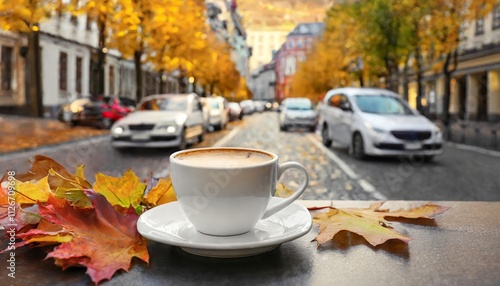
x,y
126,191
30,193
162,193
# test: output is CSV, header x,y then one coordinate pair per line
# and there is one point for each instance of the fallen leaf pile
x,y
371,223
94,225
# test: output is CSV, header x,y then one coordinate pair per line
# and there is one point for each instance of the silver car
x,y
298,112
164,120
377,122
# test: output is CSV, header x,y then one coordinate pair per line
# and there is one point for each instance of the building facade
x,y
475,85
69,55
264,42
293,51
226,21
263,83
12,70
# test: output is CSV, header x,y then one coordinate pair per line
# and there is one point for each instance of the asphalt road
x,y
458,174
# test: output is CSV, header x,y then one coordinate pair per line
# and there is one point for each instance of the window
x,y
63,71
496,17
261,38
6,68
335,100
480,26
299,43
78,83
111,80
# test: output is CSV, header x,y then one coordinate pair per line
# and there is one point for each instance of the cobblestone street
x,y
327,181
455,175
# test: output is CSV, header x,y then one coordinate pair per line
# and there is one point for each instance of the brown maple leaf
x,y
370,223
101,239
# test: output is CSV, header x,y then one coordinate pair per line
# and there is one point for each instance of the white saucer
x,y
167,224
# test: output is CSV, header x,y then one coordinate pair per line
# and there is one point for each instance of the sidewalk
x,y
20,133
474,133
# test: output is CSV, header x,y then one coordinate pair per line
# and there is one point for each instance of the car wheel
x,y
428,158
324,135
106,123
183,143
201,137
358,147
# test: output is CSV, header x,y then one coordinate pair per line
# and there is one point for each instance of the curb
x,y
62,143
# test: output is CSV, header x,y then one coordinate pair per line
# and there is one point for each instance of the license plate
x,y
140,136
413,146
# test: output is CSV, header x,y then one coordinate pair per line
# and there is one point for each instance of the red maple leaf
x,y
102,239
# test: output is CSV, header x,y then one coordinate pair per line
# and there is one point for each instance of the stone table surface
x,y
461,247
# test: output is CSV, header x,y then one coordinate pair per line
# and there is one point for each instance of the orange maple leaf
x,y
101,239
370,223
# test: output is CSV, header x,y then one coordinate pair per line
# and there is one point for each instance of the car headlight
x,y
437,130
376,130
169,127
118,130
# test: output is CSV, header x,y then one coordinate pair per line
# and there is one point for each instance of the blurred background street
x,y
422,79
462,175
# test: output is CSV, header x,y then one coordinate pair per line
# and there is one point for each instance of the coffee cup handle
x,y
281,205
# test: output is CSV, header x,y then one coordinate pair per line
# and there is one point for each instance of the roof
x,y
350,91
188,95
311,29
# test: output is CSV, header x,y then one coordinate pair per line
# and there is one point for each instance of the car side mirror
x,y
345,106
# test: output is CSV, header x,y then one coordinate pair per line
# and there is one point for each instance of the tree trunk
x,y
406,85
161,88
182,83
447,91
35,92
101,57
418,65
138,75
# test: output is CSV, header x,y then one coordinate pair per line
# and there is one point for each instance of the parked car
x,y
235,111
247,106
218,112
377,122
298,112
163,120
97,111
259,106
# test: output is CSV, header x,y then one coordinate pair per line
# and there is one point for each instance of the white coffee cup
x,y
225,190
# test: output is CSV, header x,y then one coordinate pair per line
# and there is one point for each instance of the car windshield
x,y
214,104
299,105
167,104
382,104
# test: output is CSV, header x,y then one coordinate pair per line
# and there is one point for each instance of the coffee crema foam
x,y
223,158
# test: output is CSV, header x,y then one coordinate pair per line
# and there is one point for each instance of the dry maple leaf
x,y
41,167
101,239
369,223
162,193
125,192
